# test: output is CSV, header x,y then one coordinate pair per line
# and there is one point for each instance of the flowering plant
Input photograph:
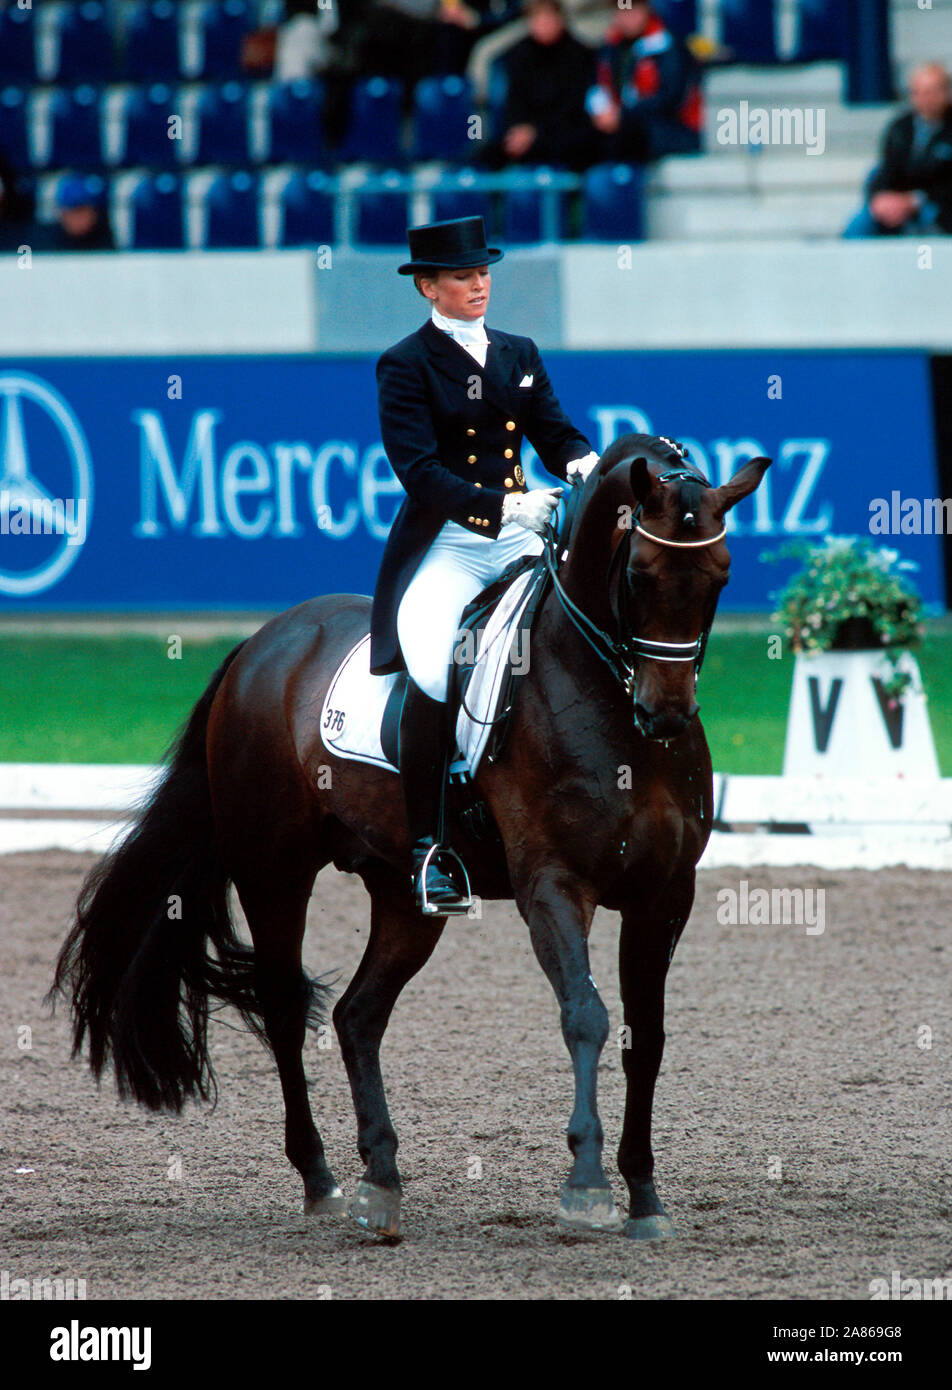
x,y
850,594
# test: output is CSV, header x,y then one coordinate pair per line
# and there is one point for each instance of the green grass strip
x,y
120,699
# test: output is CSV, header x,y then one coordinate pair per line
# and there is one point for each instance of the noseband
x,y
620,655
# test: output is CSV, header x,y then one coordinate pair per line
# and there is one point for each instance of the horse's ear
x,y
744,482
639,478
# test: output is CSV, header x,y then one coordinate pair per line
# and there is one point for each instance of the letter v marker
x,y
823,716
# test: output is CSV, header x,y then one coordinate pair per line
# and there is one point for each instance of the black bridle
x,y
621,654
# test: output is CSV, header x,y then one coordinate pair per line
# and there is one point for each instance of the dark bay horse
x,y
603,796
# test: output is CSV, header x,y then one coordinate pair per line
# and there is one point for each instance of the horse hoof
x,y
588,1209
377,1209
659,1227
331,1204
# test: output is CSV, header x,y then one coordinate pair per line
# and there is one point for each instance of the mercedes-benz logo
x,y
21,491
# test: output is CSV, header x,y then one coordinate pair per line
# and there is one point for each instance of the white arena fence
x,y
841,823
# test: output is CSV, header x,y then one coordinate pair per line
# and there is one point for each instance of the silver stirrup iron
x,y
455,870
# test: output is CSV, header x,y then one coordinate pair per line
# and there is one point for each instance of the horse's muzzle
x,y
666,724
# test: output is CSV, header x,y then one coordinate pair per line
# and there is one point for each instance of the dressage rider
x,y
455,401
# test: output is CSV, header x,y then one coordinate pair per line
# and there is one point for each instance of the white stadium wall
x,y
746,295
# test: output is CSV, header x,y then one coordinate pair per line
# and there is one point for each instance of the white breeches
x,y
457,566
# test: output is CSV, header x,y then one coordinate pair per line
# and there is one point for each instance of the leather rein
x,y
621,654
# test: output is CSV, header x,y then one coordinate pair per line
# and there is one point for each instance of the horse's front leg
x,y
559,913
647,942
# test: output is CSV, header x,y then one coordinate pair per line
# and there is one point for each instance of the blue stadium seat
x,y
374,127
382,216
13,139
454,196
679,15
75,134
157,214
85,44
224,24
17,56
612,205
442,110
294,122
152,41
222,116
145,120
525,210
823,30
231,211
307,210
747,28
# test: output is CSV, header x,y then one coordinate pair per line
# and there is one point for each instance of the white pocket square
x,y
526,381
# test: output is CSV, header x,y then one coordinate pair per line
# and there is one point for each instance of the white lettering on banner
x,y
816,452
254,491
233,486
613,420
156,467
335,450
285,458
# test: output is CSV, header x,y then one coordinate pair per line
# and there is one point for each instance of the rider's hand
x,y
531,509
582,467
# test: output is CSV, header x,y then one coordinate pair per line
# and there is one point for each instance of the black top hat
x,y
458,244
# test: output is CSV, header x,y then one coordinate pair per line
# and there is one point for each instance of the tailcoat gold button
x,y
510,424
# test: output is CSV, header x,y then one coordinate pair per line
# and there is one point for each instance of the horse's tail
x,y
136,965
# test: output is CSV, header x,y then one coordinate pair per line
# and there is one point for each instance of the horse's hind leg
x,y
401,942
276,909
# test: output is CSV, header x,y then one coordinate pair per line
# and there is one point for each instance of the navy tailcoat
x,y
453,431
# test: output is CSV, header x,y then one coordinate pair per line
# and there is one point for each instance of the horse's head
x,y
648,555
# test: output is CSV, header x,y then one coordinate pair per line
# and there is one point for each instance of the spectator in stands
x,y
17,227
19,202
462,23
82,218
302,48
548,75
647,100
415,38
911,189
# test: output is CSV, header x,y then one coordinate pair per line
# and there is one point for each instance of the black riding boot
x,y
422,753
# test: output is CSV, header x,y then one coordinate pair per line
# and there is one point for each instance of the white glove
x,y
531,509
582,466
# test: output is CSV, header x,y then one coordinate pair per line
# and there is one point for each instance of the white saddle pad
x,y
355,702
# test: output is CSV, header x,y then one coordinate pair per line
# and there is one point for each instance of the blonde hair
x,y
419,275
